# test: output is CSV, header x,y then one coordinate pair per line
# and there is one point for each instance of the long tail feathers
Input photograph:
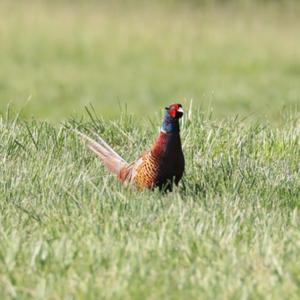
x,y
112,160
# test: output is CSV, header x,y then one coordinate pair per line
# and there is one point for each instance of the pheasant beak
x,y
179,113
180,110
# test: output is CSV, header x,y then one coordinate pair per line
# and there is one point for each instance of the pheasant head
x,y
171,120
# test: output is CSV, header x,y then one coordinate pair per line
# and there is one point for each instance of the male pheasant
x,y
160,166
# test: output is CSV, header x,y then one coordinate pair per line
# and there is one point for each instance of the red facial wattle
x,y
175,111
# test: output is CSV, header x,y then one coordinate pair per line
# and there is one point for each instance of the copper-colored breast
x,y
159,166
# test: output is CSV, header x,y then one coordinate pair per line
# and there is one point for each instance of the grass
x,y
70,230
56,58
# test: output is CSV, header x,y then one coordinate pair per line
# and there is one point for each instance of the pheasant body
x,y
160,166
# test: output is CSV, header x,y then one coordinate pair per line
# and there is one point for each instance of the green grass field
x,y
69,230
55,59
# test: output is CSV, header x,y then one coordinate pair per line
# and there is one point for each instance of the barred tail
x,y
110,158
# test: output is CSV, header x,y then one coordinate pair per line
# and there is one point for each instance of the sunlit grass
x,y
69,229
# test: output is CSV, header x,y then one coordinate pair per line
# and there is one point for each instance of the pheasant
x,y
160,166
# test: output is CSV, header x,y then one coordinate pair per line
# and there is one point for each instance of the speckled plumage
x,y
160,166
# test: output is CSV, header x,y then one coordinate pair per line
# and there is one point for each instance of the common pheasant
x,y
160,166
